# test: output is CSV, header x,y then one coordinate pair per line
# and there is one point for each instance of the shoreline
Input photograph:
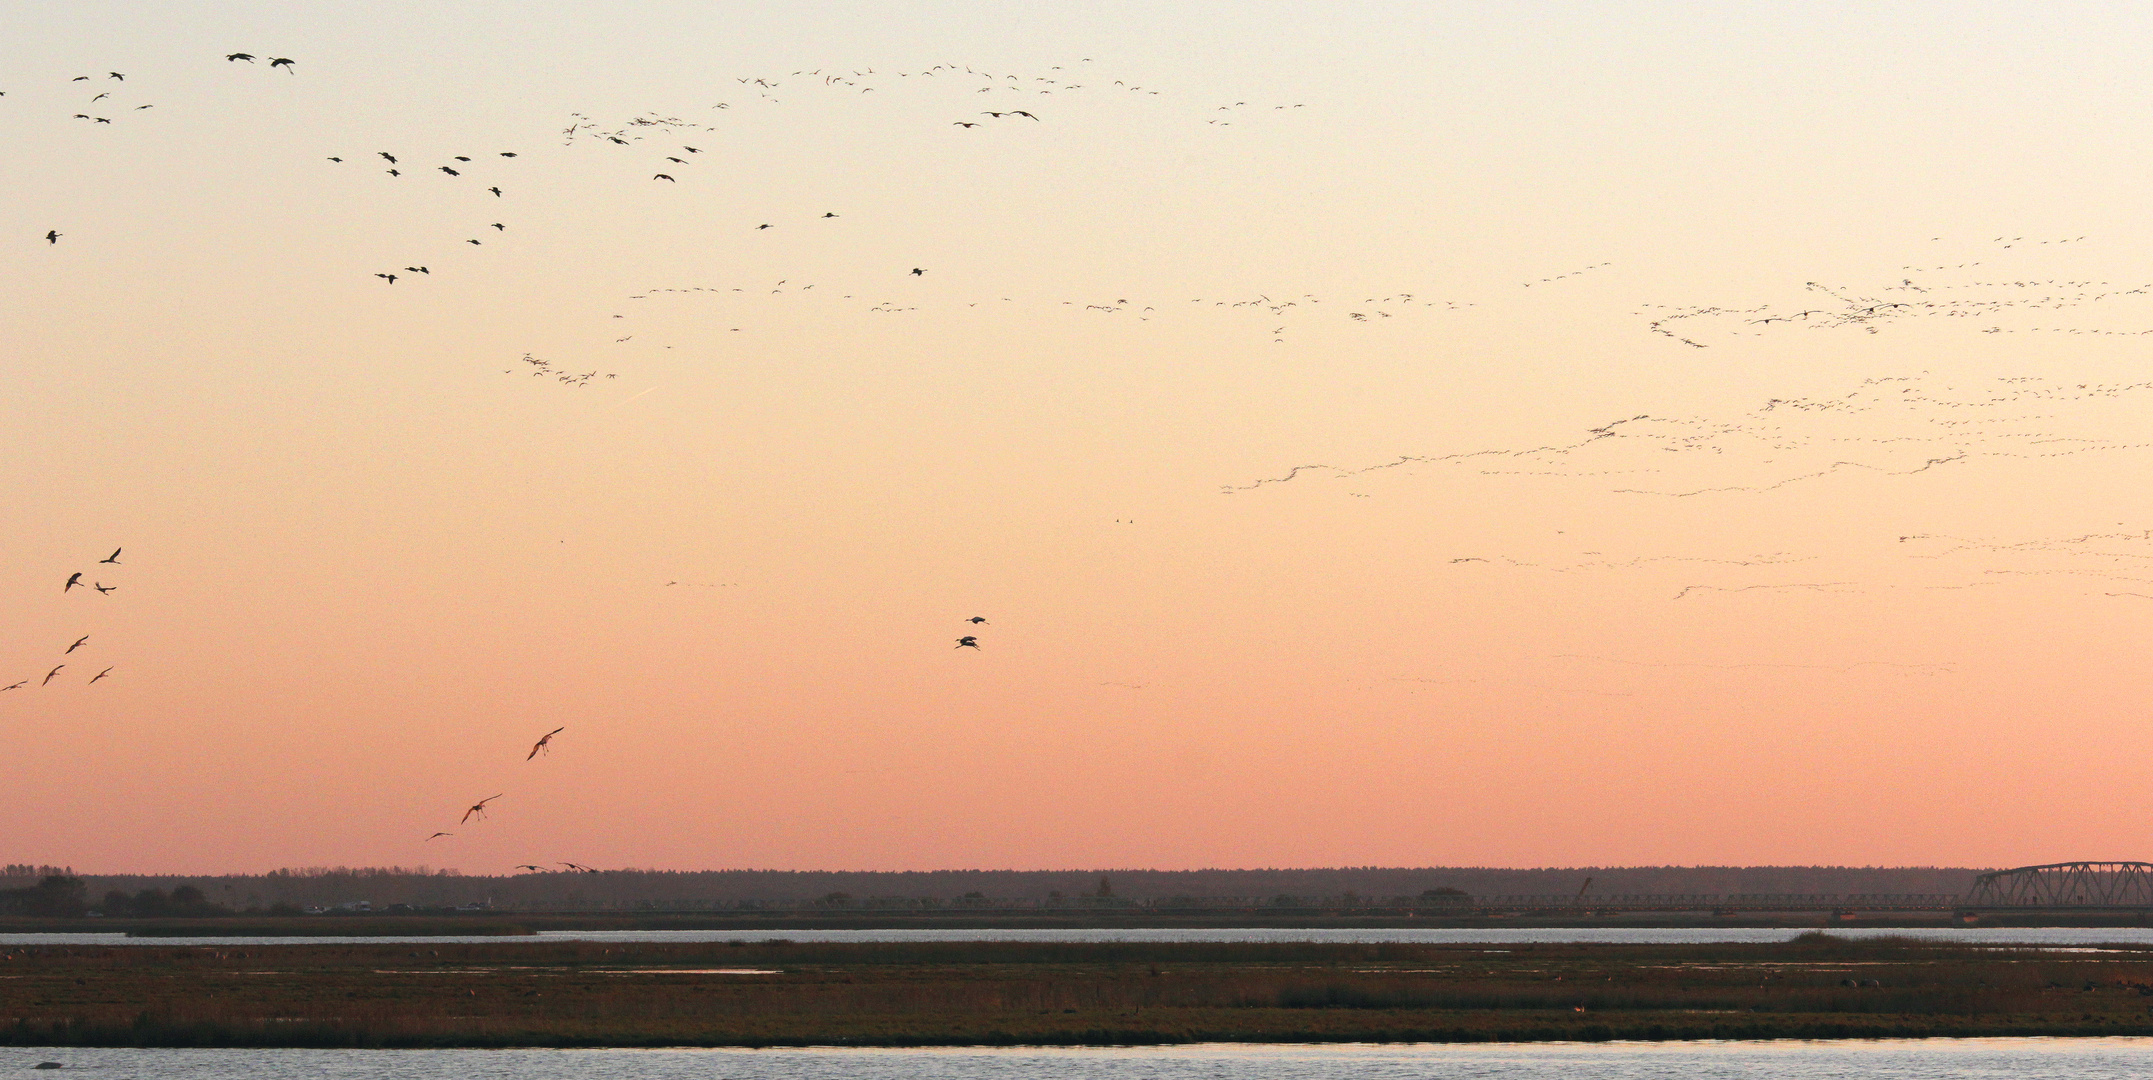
x,y
517,924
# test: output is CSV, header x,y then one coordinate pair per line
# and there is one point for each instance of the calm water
x,y
1959,1059
1977,935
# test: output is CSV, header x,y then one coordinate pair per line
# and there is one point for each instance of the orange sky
x,y
1866,584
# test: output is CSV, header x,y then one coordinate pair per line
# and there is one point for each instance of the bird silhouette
x,y
976,619
99,675
450,171
77,644
50,674
963,123
116,75
113,558
528,866
968,642
73,580
106,588
438,835
500,226
284,62
52,236
496,192
336,159
420,270
829,215
16,686
543,743
478,809
391,158
662,176
917,272
390,278
248,57
508,153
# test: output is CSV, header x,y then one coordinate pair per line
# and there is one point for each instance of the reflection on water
x,y
1962,935
1959,1059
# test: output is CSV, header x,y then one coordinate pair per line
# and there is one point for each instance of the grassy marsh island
x,y
591,994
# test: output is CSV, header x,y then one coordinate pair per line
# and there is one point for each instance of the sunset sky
x,y
1375,433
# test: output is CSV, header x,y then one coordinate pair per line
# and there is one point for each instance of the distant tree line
x,y
424,888
184,902
57,896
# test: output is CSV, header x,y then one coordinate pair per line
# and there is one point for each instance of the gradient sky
x,y
1870,585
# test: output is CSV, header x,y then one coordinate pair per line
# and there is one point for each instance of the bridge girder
x,y
2070,884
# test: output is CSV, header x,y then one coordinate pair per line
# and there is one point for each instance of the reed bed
x,y
1003,993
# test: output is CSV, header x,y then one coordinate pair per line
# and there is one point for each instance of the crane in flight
x,y
543,743
478,809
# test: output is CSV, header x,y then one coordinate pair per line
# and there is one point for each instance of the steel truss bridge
x,y
2066,885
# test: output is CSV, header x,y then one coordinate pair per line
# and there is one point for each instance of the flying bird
x,y
968,642
474,242
420,270
1022,113
478,808
248,57
77,644
828,215
391,157
528,866
976,619
16,686
117,75
390,278
50,674
450,171
52,236
336,159
103,588
73,580
917,272
438,835
964,123
500,226
284,62
99,675
662,176
460,157
507,153
543,743
496,192
394,172
113,558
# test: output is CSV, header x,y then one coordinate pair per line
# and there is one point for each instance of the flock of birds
x,y
1928,423
74,581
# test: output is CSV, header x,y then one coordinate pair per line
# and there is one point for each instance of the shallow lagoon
x,y
1896,1059
2067,936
